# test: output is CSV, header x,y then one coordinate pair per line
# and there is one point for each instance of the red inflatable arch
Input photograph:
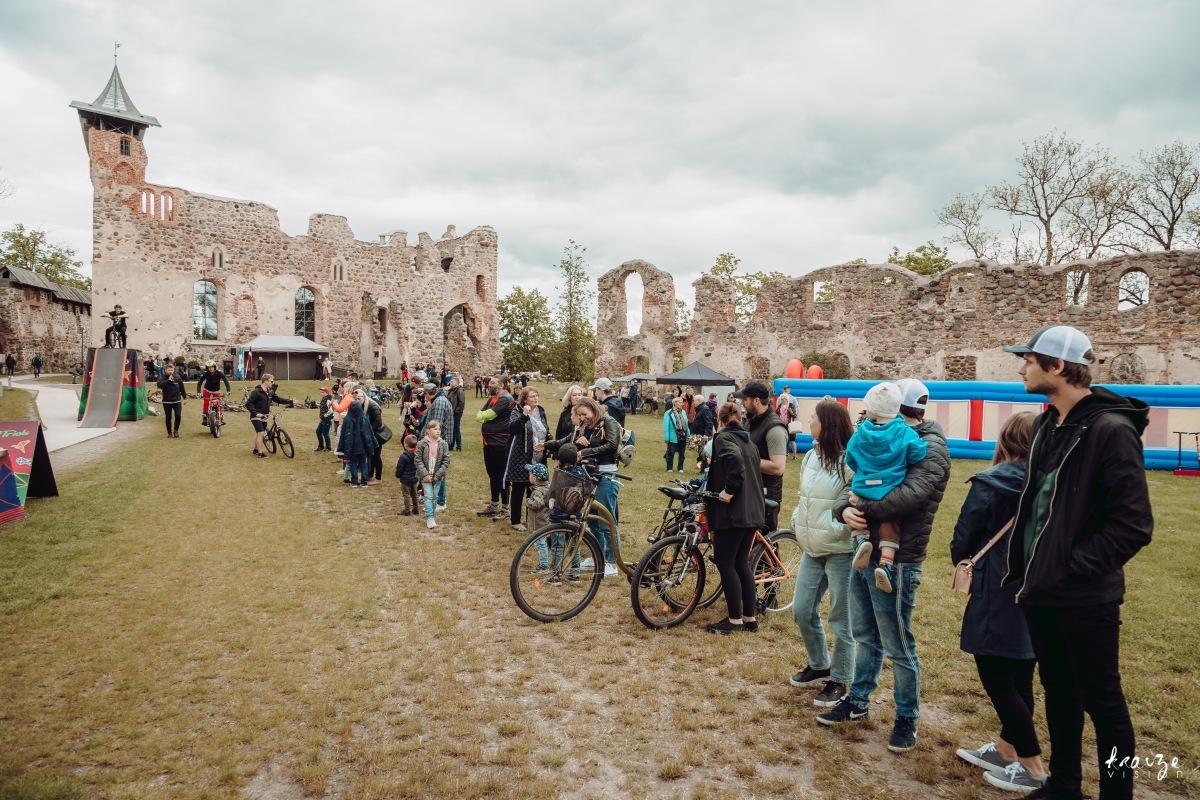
x,y
815,372
795,369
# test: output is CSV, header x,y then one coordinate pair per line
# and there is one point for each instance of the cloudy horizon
x,y
795,135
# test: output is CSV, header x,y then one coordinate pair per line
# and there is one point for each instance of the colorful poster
x,y
25,469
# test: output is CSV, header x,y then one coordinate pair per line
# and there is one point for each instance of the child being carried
x,y
880,452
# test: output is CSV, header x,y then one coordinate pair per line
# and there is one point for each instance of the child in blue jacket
x,y
880,452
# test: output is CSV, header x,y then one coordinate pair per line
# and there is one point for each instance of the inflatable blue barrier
x,y
1173,409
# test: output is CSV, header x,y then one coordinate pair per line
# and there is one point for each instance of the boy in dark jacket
x,y
174,395
406,471
1084,512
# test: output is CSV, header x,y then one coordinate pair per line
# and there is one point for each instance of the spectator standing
x,y
406,471
439,410
603,388
1084,512
357,444
494,418
734,476
528,431
633,397
325,414
37,362
993,627
174,397
433,462
458,404
769,435
10,363
565,425
380,431
261,367
882,622
675,434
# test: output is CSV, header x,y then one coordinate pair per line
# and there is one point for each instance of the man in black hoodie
x,y
1084,512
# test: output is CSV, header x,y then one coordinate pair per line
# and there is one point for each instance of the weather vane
x,y
116,47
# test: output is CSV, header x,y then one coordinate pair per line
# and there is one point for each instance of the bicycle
x,y
689,514
214,418
668,581
557,570
276,435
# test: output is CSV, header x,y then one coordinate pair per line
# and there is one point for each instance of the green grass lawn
x,y
187,621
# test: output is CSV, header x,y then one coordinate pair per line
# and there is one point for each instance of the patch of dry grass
x,y
198,623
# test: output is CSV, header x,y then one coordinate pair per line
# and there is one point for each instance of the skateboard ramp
x,y
105,389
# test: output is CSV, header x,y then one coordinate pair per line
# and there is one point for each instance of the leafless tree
x,y
1099,220
964,214
1054,172
7,189
1165,181
1133,290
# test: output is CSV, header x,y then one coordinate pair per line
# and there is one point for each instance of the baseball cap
x,y
756,389
431,388
538,471
324,390
603,384
911,392
1056,341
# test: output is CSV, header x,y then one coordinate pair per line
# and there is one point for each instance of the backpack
x,y
627,449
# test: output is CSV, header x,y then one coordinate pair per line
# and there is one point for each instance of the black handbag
x,y
384,434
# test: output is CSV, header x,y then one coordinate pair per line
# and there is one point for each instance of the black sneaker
x,y
749,625
830,695
844,711
809,677
904,735
261,454
725,627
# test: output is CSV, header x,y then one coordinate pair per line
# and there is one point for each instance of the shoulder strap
x,y
999,535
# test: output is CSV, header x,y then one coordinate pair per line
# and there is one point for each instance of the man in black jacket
x,y
259,406
882,622
769,435
1084,512
174,397
458,403
493,418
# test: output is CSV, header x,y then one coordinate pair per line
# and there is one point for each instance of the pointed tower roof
x,y
114,102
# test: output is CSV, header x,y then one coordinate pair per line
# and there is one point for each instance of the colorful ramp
x,y
113,388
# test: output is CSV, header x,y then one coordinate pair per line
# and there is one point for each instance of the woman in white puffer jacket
x,y
828,552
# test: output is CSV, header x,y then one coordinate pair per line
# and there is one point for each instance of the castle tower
x,y
113,130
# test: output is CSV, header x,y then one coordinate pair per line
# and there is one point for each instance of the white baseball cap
x,y
603,384
913,393
1056,341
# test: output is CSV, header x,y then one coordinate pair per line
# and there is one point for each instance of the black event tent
x,y
696,374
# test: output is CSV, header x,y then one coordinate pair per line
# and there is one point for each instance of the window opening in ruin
x,y
480,287
886,280
218,259
306,313
823,291
382,320
635,290
204,311
1077,287
677,360
641,363
338,274
1133,290
446,262
412,264
166,205
124,146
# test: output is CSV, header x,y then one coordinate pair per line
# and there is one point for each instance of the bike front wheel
x,y
556,573
776,583
269,441
712,585
214,424
285,443
667,583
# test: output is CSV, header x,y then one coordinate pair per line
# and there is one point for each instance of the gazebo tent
x,y
637,376
696,374
282,354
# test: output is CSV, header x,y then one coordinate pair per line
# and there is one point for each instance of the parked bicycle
x,y
276,436
668,583
686,513
557,570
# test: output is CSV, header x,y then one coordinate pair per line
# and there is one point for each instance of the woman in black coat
x,y
375,419
565,425
993,628
740,511
529,430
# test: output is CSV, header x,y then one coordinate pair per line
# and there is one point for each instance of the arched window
x,y
306,314
204,311
1078,282
218,258
1133,291
338,271
124,145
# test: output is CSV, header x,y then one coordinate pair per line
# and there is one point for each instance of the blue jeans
x,y
816,574
358,467
456,441
323,434
431,493
606,495
882,625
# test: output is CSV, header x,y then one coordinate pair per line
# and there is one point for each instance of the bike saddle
x,y
674,492
772,503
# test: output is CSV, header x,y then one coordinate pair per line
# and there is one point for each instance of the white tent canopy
x,y
285,344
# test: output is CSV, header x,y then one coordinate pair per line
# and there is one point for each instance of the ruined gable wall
x,y
150,263
890,322
656,338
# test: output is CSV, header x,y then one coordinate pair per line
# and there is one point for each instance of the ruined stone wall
x,y
376,302
655,341
35,322
891,322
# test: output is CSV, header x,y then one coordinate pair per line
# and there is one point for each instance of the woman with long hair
x,y
528,432
828,552
993,628
565,426
734,476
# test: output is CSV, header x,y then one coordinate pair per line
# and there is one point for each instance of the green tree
x,y
683,316
29,249
526,332
573,353
927,259
745,297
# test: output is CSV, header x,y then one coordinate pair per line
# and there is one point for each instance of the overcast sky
x,y
794,134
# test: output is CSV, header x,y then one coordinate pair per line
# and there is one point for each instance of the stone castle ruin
x,y
886,321
200,274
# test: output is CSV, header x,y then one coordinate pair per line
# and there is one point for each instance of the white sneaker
x,y
430,523
587,563
610,570
438,509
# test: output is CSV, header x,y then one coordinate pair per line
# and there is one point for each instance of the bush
x,y
836,365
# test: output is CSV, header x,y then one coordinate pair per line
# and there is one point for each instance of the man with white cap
x,y
1084,512
882,622
605,396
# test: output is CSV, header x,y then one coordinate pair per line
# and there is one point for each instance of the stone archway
x,y
656,335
